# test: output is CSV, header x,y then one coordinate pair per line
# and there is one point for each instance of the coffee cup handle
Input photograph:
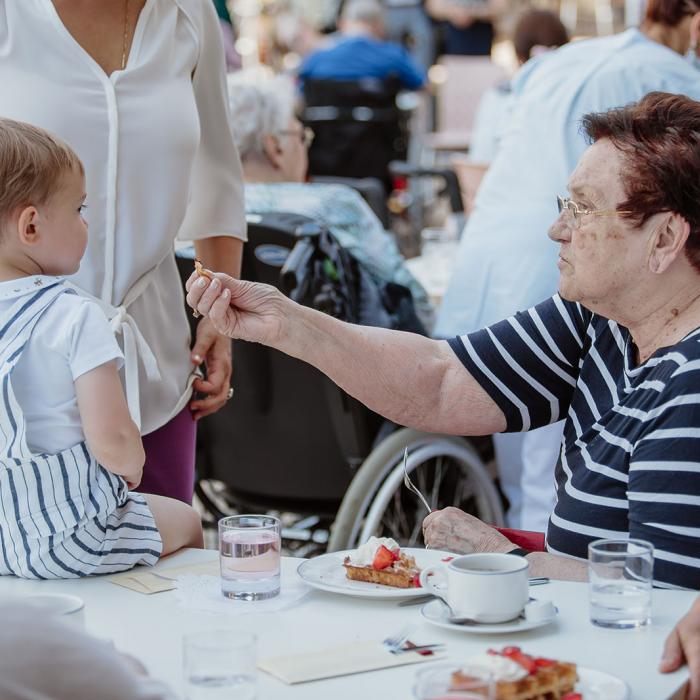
x,y
430,577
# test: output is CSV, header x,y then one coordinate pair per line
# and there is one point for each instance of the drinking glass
x,y
220,665
434,683
620,574
249,554
437,242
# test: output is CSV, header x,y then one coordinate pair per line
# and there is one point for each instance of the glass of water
x,y
620,574
220,665
249,554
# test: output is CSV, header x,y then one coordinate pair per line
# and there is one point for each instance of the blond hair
x,y
32,166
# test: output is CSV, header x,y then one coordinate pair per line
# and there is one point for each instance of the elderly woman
x,y
616,352
272,145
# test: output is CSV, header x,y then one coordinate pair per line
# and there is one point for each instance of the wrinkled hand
x,y
456,531
238,309
683,646
214,350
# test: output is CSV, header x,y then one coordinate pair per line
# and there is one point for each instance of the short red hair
x,y
659,138
670,12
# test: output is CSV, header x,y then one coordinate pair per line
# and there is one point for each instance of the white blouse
x,y
160,164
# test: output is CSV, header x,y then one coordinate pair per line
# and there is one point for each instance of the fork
x,y
410,485
395,641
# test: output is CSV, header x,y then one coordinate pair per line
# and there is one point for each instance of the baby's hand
x,y
133,480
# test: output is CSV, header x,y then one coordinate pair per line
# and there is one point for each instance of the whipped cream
x,y
499,668
364,554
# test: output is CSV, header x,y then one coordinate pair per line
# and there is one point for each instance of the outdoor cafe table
x,y
151,628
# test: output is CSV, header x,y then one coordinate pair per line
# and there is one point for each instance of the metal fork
x,y
395,641
410,485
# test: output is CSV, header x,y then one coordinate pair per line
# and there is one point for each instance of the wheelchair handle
x,y
448,176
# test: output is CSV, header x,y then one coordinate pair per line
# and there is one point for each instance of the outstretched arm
x,y
407,378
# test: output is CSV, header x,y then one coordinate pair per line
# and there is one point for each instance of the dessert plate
x,y
328,574
436,613
599,685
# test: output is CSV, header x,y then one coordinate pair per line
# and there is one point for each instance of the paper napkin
x,y
145,581
344,660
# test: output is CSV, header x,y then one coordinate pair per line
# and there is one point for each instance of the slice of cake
x,y
519,676
380,560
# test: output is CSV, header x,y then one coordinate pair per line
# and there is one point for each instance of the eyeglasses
x,y
306,135
578,212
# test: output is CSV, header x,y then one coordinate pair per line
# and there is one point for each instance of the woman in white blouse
x,y
137,88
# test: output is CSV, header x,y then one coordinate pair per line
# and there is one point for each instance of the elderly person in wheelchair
x,y
616,352
273,144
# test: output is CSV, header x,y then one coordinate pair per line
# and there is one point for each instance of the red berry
x,y
383,558
416,581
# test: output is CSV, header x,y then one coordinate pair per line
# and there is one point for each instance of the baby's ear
x,y
27,225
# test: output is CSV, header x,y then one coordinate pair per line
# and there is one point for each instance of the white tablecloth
x,y
151,628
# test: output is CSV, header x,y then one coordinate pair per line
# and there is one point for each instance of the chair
x,y
358,127
464,79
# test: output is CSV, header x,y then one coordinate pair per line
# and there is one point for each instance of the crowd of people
x,y
576,350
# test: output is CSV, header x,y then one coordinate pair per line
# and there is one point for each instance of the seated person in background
x,y
358,51
536,31
272,145
616,352
468,25
44,658
70,454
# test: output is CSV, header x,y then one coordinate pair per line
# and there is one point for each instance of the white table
x,y
151,628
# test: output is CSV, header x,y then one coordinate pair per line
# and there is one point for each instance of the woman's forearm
x,y
557,567
222,253
410,379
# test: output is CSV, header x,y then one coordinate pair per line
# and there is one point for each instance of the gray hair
x,y
257,109
365,11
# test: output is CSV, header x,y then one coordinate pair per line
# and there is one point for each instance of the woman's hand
x,y
683,646
456,531
238,309
214,350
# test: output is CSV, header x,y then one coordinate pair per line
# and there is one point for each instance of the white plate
x,y
436,613
598,685
327,573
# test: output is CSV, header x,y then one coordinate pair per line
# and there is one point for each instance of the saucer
x,y
436,613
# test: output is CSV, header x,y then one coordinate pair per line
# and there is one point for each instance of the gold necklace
x,y
125,39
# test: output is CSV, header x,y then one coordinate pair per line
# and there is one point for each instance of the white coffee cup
x,y
487,587
69,608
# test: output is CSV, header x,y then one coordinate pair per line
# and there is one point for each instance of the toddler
x,y
70,454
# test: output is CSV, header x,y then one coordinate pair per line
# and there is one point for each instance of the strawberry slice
x,y
383,558
416,581
572,696
524,660
540,662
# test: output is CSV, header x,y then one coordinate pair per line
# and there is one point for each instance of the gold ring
x,y
230,393
196,313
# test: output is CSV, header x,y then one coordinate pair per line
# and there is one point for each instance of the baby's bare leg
x,y
179,524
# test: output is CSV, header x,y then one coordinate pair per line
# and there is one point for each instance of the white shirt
x,y
159,159
505,261
70,338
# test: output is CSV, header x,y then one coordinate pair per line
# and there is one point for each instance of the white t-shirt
x,y
70,338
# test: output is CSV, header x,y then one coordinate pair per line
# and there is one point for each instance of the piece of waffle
x,y
547,682
403,573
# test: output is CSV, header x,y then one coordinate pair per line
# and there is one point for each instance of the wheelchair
x,y
293,442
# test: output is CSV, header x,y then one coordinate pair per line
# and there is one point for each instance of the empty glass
x,y
249,554
220,665
620,574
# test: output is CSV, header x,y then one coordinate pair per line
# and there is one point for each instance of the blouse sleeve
x,y
529,363
216,205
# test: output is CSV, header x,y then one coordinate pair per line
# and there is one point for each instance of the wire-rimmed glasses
x,y
578,212
306,134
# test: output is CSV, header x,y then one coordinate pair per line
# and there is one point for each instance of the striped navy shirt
x,y
630,459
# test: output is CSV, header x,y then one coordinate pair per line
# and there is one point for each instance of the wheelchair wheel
x,y
446,469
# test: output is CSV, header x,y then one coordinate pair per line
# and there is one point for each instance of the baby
x,y
70,454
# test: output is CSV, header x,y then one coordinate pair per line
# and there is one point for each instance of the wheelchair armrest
x,y
295,271
451,184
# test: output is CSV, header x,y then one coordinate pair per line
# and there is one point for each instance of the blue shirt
x,y
505,261
629,463
352,58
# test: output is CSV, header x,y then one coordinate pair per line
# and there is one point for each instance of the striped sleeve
x,y
529,363
664,483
